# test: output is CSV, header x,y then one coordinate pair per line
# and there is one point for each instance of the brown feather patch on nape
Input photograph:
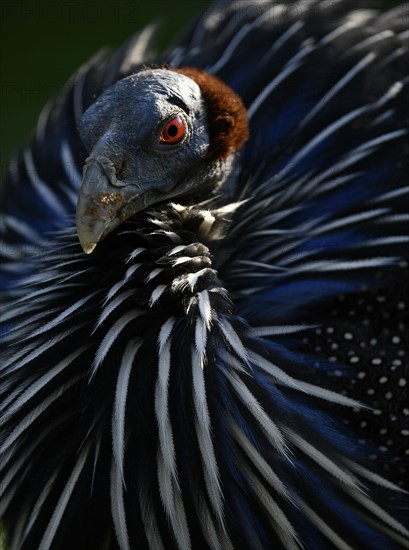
x,y
227,116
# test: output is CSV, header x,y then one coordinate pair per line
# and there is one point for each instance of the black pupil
x,y
173,130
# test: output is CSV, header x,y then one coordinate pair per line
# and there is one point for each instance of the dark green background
x,y
43,42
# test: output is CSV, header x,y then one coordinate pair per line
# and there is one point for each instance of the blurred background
x,y
43,42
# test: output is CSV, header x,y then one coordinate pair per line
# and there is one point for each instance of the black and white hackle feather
x,y
213,354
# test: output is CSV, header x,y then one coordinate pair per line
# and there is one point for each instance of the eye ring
x,y
173,131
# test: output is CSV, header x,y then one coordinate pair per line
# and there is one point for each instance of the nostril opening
x,y
106,165
114,170
121,170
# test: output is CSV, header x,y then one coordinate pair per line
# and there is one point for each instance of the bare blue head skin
x,y
129,168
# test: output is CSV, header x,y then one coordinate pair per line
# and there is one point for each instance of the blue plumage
x,y
227,365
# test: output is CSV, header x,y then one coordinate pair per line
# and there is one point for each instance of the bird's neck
x,y
168,259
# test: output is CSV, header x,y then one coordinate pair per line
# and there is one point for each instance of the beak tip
x,y
89,235
88,247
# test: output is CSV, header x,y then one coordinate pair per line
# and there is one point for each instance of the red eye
x,y
174,131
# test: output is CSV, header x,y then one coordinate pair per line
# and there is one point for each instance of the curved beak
x,y
105,202
100,206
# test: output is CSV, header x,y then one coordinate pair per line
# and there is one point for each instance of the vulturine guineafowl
x,y
213,354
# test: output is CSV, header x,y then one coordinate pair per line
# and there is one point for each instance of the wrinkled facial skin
x,y
154,136
125,123
129,167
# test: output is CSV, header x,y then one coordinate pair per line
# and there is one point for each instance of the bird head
x,y
154,136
